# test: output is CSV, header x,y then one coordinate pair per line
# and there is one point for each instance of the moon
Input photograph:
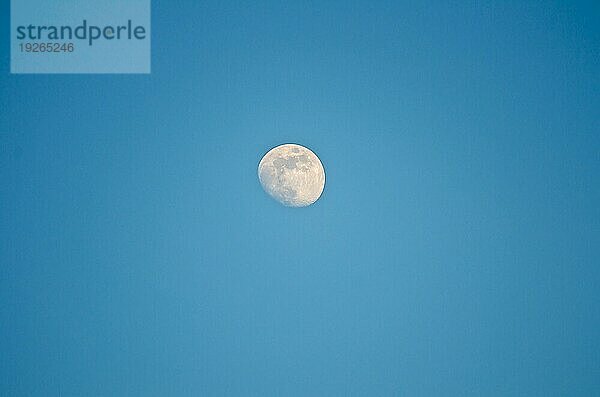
x,y
292,174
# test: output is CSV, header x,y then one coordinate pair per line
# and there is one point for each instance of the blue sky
x,y
454,251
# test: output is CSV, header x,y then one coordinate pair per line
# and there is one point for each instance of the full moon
x,y
292,174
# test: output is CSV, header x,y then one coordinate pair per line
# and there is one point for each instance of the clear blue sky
x,y
454,252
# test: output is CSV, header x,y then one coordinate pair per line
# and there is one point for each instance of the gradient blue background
x,y
455,251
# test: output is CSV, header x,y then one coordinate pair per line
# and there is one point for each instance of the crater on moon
x,y
292,174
